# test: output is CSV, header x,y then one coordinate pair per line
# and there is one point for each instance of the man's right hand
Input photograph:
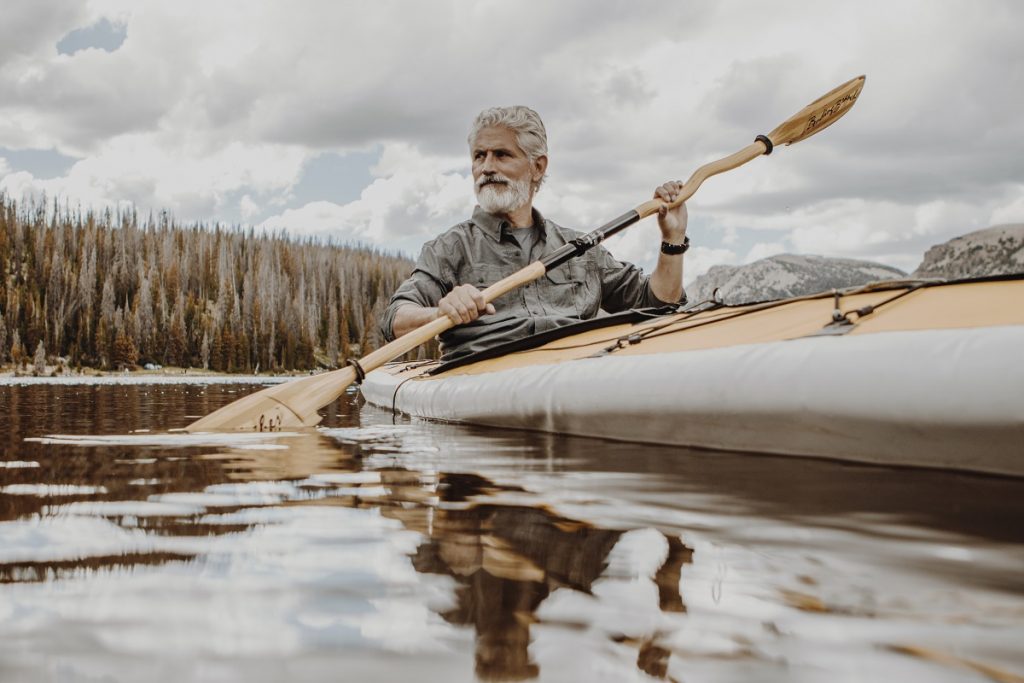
x,y
464,304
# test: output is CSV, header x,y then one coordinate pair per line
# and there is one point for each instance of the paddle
x,y
295,403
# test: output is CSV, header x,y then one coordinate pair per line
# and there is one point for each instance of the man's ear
x,y
540,167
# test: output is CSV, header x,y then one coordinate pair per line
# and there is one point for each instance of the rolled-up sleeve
x,y
429,282
624,286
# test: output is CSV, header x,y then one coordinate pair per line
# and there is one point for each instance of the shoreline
x,y
9,377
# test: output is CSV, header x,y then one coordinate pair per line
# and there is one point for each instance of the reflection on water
x,y
379,549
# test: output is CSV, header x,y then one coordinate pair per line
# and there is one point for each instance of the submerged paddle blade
x,y
819,114
294,403
290,405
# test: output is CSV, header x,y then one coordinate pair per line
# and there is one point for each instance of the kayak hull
x,y
936,398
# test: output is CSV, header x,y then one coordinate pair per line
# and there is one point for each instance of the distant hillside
x,y
786,275
998,250
109,290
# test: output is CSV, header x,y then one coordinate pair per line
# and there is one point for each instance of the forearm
x,y
411,316
667,279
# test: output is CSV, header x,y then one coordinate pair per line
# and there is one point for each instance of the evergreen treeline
x,y
106,291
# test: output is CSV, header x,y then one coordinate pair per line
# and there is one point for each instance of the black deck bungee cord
x,y
656,331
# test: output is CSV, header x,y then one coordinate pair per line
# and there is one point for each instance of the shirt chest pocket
x,y
564,291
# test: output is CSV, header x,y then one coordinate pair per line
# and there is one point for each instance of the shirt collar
x,y
494,226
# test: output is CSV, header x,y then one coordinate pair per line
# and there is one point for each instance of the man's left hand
x,y
671,221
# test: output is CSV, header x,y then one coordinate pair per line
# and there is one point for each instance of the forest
x,y
106,290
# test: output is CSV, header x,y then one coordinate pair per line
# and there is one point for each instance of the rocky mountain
x,y
998,250
785,275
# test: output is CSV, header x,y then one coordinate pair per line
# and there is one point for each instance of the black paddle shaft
x,y
582,244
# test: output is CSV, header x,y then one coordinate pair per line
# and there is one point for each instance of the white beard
x,y
502,199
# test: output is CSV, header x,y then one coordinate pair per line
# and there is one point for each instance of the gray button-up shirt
x,y
483,250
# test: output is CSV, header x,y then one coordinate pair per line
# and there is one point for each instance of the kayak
x,y
903,373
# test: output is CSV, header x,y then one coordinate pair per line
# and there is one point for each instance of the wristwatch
x,y
676,249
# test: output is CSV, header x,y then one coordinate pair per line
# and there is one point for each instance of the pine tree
x,y
204,351
17,350
77,280
227,350
145,322
103,345
344,336
126,354
3,340
332,332
39,360
241,360
217,352
176,343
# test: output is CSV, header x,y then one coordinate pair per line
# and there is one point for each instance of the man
x,y
508,147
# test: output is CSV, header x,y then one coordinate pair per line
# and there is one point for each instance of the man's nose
x,y
487,165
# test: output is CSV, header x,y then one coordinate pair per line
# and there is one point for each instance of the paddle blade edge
x,y
819,114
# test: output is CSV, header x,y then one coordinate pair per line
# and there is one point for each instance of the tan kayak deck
x,y
933,307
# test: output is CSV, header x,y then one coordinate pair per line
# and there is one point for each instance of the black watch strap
x,y
676,249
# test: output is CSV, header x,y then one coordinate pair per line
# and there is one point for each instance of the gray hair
x,y
524,123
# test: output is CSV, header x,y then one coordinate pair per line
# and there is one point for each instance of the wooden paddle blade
x,y
295,403
819,114
290,405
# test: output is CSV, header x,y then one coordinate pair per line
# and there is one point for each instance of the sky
x,y
348,120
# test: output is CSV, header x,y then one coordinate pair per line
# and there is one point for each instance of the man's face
x,y
502,173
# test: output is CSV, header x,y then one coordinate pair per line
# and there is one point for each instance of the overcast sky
x,y
349,119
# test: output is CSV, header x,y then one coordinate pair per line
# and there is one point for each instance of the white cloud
x,y
321,219
940,217
731,235
211,110
152,172
248,208
846,227
1012,211
412,199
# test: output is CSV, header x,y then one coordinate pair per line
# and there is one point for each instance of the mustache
x,y
492,179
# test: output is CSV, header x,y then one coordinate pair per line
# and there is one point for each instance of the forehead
x,y
496,137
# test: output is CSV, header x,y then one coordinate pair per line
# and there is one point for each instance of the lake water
x,y
377,548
